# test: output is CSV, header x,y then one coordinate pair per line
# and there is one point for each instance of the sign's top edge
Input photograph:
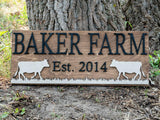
x,y
73,31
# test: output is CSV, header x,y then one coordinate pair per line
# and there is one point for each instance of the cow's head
x,y
113,63
45,63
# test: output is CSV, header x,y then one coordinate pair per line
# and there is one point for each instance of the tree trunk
x,y
144,15
98,15
75,15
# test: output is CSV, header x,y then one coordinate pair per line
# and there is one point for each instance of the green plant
x,y
81,89
39,105
54,115
5,52
97,100
13,15
146,92
13,111
60,89
2,33
84,116
23,18
155,63
116,88
13,20
16,111
23,111
127,22
18,96
4,115
19,111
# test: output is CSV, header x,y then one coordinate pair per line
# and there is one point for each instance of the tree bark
x,y
99,15
144,15
75,15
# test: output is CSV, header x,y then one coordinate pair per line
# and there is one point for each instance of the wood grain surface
x,y
84,47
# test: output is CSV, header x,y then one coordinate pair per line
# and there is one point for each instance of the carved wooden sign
x,y
80,57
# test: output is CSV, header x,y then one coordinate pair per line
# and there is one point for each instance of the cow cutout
x,y
31,67
128,67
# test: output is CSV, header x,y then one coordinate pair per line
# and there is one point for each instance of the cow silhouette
x,y
31,67
128,67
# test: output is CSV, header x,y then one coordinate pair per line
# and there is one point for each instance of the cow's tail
x,y
142,72
16,72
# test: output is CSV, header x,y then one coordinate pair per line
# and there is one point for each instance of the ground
x,y
80,103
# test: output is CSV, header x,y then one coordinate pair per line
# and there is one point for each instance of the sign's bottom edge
x,y
80,82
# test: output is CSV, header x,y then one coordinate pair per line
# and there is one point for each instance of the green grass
x,y
5,54
155,63
13,15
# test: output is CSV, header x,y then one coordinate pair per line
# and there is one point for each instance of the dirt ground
x,y
80,102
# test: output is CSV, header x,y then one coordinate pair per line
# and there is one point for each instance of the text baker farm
x,y
74,44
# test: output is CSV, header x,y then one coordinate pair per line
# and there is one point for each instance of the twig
x,y
139,118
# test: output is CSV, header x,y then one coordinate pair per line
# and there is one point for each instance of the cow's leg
x,y
23,76
139,76
19,75
135,76
34,75
125,75
40,75
119,76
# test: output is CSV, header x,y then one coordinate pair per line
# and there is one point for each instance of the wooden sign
x,y
80,57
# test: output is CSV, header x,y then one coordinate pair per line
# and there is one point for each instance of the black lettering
x,y
96,63
64,67
32,46
74,44
82,68
89,66
61,43
120,44
108,46
56,65
92,43
104,67
135,46
69,65
18,43
44,43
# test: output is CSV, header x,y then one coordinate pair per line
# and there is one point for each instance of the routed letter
x,y
92,43
135,46
44,43
120,44
59,43
108,46
18,42
74,44
32,46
